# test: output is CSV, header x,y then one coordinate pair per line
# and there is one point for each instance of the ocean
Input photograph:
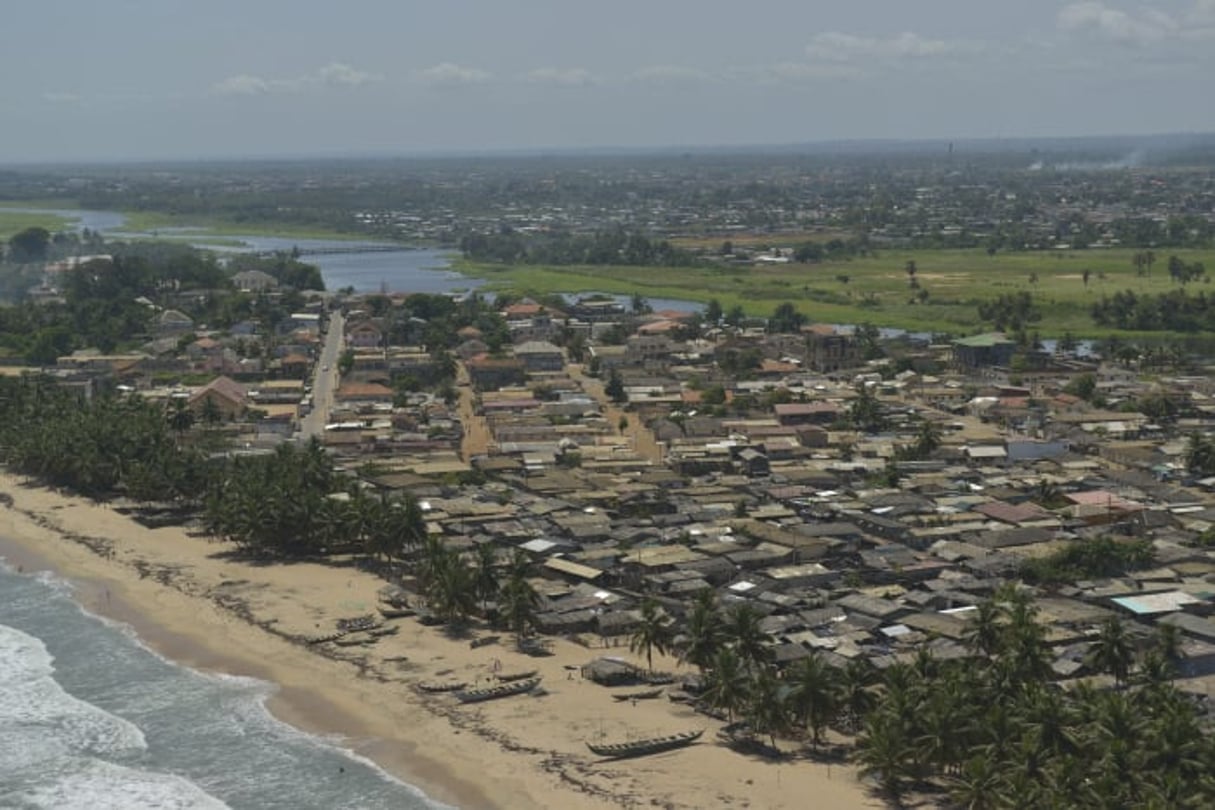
x,y
90,718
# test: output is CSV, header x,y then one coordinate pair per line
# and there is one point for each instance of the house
x,y
364,334
540,355
983,351
172,323
357,394
254,281
831,349
491,373
223,394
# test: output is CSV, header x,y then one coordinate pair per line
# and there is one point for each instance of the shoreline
x,y
189,602
300,707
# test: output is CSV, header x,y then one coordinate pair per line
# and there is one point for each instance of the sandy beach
x,y
189,601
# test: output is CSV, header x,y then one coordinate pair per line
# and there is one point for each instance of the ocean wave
x,y
34,704
100,785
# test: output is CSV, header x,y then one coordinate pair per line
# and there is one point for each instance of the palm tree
x,y
652,633
984,631
856,690
979,785
485,580
702,636
728,684
1112,652
744,634
814,694
519,602
885,754
766,706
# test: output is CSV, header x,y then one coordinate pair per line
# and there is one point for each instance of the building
x,y
226,396
540,355
254,281
829,349
983,351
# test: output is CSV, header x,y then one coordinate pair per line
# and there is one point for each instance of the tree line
x,y
616,246
986,730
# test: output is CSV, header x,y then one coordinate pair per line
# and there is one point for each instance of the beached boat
x,y
517,676
395,612
641,748
442,686
648,694
499,691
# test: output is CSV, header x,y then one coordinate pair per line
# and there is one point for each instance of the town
x,y
784,510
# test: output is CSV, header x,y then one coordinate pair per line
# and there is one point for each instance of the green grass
x,y
12,222
208,227
877,290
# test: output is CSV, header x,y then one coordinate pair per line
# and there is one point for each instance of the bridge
x,y
337,250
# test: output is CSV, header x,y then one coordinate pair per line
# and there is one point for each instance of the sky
x,y
184,79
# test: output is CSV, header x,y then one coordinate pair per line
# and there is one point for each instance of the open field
x,y
756,240
151,221
12,222
875,289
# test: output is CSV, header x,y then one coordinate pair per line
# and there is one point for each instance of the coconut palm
x,y
652,633
984,631
885,754
743,633
485,580
856,696
979,785
702,636
728,683
519,602
814,693
1112,652
765,705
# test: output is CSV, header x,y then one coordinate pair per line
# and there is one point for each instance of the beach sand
x,y
187,599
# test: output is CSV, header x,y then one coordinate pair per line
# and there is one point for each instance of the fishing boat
x,y
395,612
648,694
506,677
499,691
641,748
442,686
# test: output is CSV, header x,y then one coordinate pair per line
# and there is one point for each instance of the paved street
x,y
325,382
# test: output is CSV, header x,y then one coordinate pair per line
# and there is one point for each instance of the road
x,y
325,381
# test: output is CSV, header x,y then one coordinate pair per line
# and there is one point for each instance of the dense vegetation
x,y
986,731
1175,310
616,246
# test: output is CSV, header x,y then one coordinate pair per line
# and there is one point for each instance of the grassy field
x,y
151,221
875,289
12,222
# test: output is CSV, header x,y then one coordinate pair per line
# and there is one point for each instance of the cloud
x,y
833,46
1114,24
334,74
795,72
62,98
241,85
568,77
341,74
668,74
449,73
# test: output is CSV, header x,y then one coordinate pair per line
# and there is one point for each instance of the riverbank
x,y
191,602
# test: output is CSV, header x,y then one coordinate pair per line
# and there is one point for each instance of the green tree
x,y
615,388
653,632
29,245
702,635
814,693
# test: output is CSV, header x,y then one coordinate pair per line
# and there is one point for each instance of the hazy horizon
x,y
164,80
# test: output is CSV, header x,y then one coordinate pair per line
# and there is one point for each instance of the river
x,y
419,270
